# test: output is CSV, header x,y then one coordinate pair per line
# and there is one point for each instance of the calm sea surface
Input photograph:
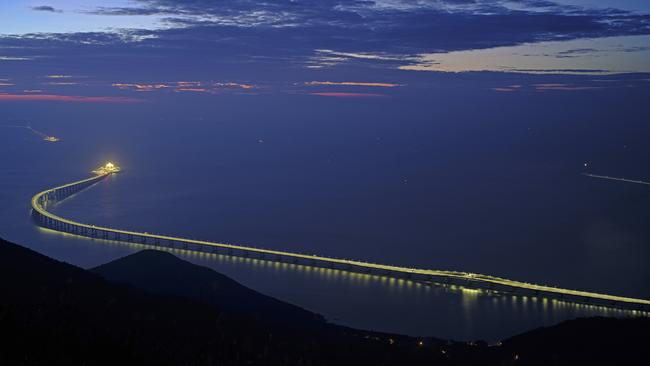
x,y
500,195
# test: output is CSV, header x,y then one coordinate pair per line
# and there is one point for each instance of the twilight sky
x,y
121,50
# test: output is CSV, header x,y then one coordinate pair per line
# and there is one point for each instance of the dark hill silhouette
x,y
52,313
585,341
163,273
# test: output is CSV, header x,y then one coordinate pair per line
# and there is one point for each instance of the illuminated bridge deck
x,y
47,219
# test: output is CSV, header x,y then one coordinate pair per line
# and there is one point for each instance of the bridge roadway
x,y
46,219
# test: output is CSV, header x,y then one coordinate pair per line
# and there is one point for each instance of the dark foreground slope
x,y
55,313
587,341
579,341
163,273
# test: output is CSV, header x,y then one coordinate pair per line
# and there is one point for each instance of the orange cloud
x,y
65,98
352,83
349,95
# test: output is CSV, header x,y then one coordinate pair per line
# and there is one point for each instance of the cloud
x,y
141,87
352,83
15,58
231,85
508,89
555,86
192,90
281,43
580,57
183,86
349,95
382,31
576,52
61,83
46,8
122,11
66,98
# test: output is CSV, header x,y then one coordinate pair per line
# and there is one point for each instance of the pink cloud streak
x,y
66,98
352,83
349,95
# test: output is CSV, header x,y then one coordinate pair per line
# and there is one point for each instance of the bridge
x,y
44,218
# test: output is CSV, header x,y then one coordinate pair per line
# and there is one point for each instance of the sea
x,y
496,188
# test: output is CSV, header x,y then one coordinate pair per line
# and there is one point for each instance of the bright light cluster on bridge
x,y
107,169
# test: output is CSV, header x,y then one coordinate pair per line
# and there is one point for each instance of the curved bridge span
x,y
44,218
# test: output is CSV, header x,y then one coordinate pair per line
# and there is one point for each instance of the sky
x,y
20,16
75,51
